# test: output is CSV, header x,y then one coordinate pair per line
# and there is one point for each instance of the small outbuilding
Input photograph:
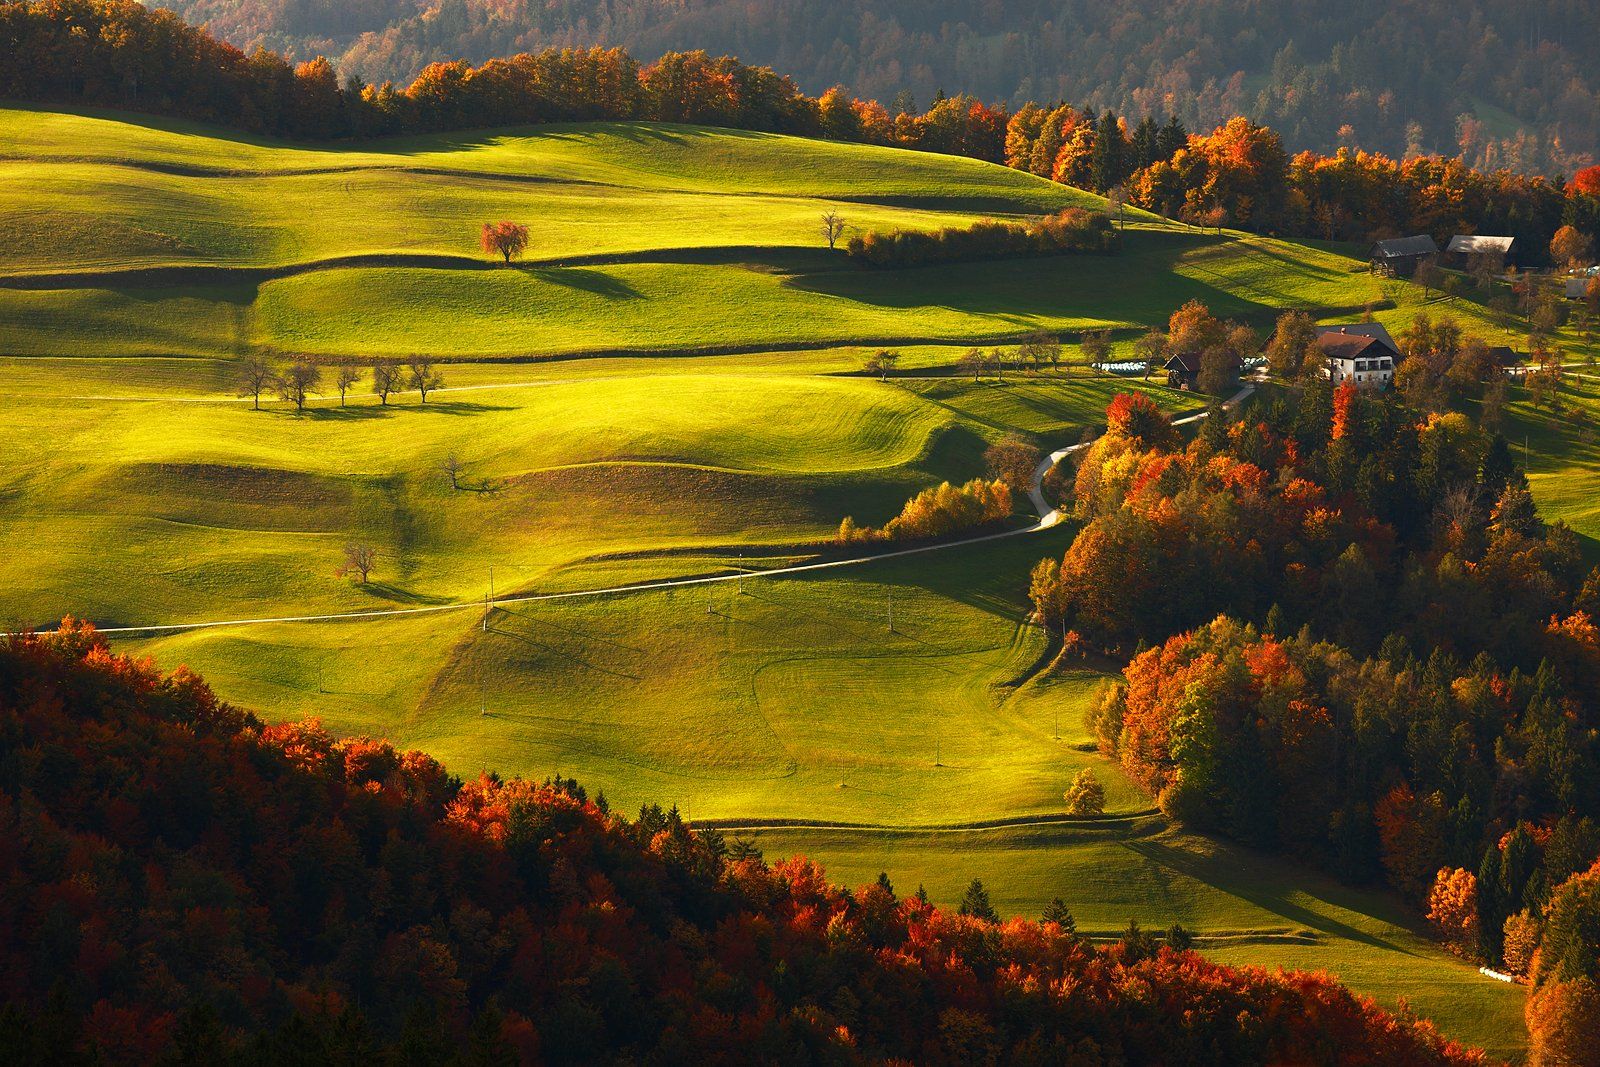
x,y
1507,359
1183,370
1578,288
1401,256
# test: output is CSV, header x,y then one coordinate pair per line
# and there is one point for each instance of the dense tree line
x,y
118,53
938,512
184,883
1072,229
1400,77
1356,641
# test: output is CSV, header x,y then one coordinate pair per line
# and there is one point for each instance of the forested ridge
x,y
1390,76
184,883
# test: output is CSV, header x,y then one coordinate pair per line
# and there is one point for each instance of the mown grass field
x,y
140,489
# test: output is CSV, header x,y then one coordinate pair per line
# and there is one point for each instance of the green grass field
x,y
140,489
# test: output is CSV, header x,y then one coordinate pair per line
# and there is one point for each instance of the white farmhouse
x,y
1362,352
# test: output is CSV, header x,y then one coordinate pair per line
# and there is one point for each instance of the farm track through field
x,y
1048,518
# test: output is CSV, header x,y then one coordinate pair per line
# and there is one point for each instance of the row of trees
x,y
1071,230
193,885
118,53
299,380
1405,78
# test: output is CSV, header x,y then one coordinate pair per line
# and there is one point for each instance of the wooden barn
x,y
1464,248
1401,256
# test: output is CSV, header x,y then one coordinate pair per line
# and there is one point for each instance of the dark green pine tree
x,y
1146,143
1108,164
975,902
1173,136
1056,912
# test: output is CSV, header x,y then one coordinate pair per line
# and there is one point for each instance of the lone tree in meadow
x,y
359,559
1012,460
425,378
1095,346
881,363
452,466
349,374
385,379
1151,349
504,239
256,377
1429,276
832,228
1086,796
971,360
299,381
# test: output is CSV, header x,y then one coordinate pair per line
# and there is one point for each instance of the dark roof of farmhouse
x,y
1350,345
1361,329
1400,247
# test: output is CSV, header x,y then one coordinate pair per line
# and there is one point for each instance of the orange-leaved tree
x,y
505,239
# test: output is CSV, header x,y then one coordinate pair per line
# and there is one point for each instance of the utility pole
x,y
741,574
891,611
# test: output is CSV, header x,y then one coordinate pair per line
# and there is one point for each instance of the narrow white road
x,y
1048,517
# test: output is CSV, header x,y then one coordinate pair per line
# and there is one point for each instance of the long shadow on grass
x,y
562,654
396,595
546,621
586,280
1226,872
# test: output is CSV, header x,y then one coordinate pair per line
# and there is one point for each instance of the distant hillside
x,y
1518,85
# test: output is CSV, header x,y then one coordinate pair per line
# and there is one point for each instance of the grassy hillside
x,y
155,238
140,489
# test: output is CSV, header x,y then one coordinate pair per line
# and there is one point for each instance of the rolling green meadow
x,y
896,715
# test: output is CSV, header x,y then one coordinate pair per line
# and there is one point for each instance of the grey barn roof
x,y
1469,244
1400,247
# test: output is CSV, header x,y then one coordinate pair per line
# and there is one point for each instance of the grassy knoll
x,y
81,193
685,238
544,311
1563,453
194,506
